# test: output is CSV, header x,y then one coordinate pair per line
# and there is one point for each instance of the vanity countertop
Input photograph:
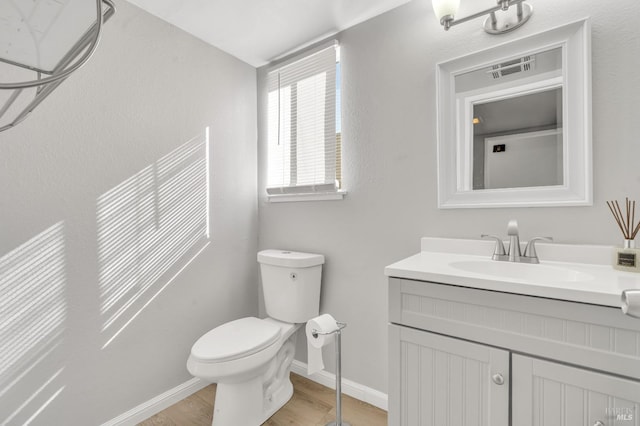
x,y
566,272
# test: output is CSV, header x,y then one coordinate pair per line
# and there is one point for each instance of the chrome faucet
x,y
530,255
514,241
514,254
499,253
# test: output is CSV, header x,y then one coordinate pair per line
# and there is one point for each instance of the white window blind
x,y
302,124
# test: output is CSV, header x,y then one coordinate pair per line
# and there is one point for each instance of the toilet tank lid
x,y
290,259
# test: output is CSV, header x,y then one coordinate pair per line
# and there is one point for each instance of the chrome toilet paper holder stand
x,y
315,333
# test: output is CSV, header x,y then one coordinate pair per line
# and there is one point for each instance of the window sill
x,y
294,198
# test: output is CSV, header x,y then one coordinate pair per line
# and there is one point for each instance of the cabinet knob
x,y
498,379
598,423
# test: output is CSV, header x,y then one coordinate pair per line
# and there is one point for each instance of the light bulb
x,y
445,7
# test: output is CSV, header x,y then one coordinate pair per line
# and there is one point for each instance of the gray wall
x,y
148,90
389,152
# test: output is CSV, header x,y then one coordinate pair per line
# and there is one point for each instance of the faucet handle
x,y
499,253
530,249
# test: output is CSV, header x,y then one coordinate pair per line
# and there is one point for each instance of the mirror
x,y
514,123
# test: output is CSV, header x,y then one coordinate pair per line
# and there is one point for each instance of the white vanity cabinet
x,y
463,356
439,380
549,393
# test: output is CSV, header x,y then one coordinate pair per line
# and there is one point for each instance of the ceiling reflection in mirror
x,y
509,72
512,114
517,142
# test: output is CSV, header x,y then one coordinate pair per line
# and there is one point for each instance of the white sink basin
x,y
570,272
521,271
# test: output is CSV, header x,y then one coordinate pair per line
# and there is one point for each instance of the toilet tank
x,y
291,284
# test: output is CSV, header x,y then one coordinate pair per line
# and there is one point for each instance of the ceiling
x,y
525,112
257,31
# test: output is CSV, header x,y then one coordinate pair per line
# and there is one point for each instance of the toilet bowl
x,y
250,358
252,371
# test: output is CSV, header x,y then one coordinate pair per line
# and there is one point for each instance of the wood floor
x,y
312,404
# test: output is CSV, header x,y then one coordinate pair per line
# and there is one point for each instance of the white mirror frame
x,y
455,146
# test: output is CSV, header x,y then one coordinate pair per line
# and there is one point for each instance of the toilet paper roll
x,y
631,303
324,323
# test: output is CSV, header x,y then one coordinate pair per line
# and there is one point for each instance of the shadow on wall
x,y
150,227
33,310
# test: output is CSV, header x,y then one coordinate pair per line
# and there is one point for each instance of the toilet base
x,y
252,402
233,403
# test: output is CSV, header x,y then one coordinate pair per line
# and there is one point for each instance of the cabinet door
x,y
551,394
436,380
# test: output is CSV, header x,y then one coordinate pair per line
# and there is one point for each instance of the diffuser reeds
x,y
626,222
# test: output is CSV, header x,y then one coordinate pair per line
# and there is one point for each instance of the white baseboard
x,y
351,388
170,397
157,404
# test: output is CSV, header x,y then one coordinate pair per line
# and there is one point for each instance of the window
x,y
304,126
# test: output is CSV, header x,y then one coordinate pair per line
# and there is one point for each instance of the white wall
x,y
389,152
149,89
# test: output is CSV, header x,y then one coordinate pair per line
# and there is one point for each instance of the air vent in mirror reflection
x,y
526,63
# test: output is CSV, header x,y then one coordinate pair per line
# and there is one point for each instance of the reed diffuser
x,y
626,258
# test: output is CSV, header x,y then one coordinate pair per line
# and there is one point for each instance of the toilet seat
x,y
235,339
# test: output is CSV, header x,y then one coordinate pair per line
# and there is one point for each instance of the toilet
x,y
250,358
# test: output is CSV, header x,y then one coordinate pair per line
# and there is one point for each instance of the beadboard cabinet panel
x,y
598,337
552,394
442,381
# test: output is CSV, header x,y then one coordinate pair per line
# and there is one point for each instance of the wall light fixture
x,y
502,18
